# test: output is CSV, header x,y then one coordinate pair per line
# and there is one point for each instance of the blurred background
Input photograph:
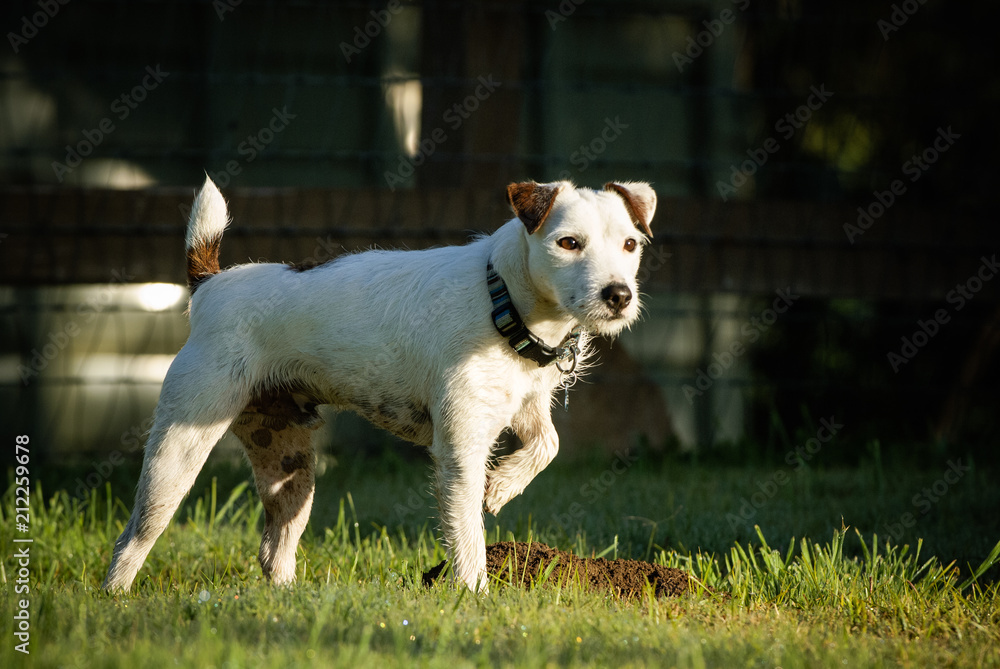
x,y
823,248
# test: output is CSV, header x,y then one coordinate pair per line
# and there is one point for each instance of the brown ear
x,y
640,201
532,202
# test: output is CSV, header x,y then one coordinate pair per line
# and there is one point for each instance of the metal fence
x,y
836,158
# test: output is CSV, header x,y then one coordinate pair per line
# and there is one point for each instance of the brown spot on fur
x,y
419,414
261,438
307,264
388,411
532,202
278,409
636,208
276,423
292,463
203,261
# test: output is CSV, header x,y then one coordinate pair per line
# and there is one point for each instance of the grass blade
x,y
990,560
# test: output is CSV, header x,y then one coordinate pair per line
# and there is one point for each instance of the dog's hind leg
x,y
276,429
197,405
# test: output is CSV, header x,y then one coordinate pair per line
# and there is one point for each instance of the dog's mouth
x,y
610,325
599,319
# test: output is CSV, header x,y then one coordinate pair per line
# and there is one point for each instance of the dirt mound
x,y
626,578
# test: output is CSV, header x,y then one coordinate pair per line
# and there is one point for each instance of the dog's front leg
x,y
533,425
460,462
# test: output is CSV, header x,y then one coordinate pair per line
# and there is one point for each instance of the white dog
x,y
445,347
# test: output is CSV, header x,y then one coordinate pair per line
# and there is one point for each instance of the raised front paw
x,y
498,492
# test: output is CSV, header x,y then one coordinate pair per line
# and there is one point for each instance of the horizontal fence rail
x,y
62,236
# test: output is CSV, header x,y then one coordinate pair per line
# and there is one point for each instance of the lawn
x,y
802,566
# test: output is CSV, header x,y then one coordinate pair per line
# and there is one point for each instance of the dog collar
x,y
527,344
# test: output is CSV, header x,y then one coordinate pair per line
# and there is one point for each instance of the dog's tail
x,y
206,224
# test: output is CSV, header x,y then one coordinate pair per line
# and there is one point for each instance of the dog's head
x,y
584,247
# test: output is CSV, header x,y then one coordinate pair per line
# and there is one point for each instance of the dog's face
x,y
584,248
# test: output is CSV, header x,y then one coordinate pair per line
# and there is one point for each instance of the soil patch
x,y
626,578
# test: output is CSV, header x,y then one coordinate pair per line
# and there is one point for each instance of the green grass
x,y
842,596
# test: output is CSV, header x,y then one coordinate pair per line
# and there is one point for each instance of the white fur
x,y
392,329
208,218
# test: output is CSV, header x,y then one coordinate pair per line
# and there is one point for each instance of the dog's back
x,y
362,332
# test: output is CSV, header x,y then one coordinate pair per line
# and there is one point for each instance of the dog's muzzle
x,y
617,297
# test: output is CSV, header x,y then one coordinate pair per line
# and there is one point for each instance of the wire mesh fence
x,y
822,174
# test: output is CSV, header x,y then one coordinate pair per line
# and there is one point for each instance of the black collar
x,y
509,324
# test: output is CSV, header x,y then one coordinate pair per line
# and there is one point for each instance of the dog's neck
x,y
543,317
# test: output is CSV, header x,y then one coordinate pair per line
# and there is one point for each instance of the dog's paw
x,y
498,493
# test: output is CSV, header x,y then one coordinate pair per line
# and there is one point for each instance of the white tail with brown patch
x,y
208,220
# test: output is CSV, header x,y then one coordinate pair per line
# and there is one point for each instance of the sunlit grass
x,y
846,598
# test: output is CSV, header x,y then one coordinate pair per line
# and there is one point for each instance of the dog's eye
x,y
630,245
568,243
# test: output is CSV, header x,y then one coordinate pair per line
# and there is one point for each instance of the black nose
x,y
616,296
